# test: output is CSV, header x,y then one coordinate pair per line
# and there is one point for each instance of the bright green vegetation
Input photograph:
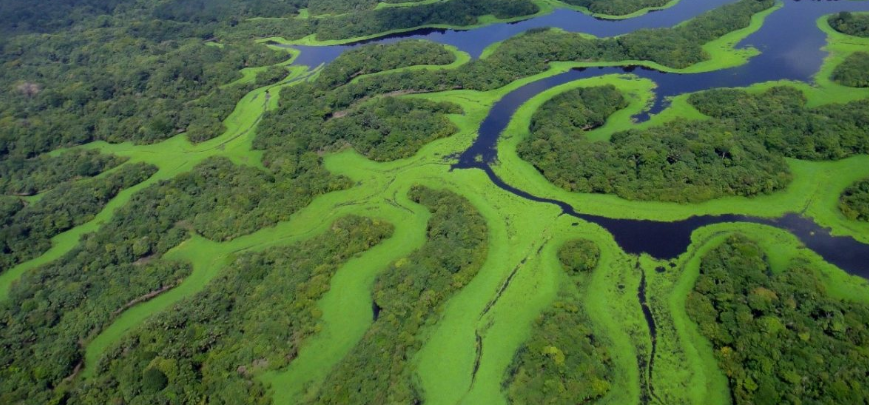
x,y
815,187
26,177
617,7
854,201
853,71
314,241
26,231
778,335
851,24
407,297
250,319
565,361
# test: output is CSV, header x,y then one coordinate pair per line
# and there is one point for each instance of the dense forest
x,y
680,161
853,71
251,319
739,151
779,337
27,232
616,7
409,295
854,201
385,128
24,177
65,306
376,58
851,24
564,361
361,23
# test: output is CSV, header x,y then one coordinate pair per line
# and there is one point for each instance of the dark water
x,y
474,41
790,45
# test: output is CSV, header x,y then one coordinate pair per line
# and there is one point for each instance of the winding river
x,y
790,45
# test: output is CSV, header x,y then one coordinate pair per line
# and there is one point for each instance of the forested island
x,y
191,215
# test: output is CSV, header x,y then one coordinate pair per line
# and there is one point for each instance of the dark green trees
x,y
853,71
680,161
616,7
851,24
780,338
854,201
250,319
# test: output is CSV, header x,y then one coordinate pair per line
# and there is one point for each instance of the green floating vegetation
x,y
534,52
738,152
407,297
685,367
231,246
253,318
778,335
565,360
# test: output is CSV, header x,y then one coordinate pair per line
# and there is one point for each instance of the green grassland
x,y
468,350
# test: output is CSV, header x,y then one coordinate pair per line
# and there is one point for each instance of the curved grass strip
x,y
347,307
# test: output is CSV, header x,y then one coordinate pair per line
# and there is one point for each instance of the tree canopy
x,y
779,337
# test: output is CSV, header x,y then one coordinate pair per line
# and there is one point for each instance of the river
x,y
790,45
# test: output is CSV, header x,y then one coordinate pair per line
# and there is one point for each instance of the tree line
x,y
65,302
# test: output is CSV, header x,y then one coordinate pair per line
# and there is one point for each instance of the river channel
x,y
790,45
